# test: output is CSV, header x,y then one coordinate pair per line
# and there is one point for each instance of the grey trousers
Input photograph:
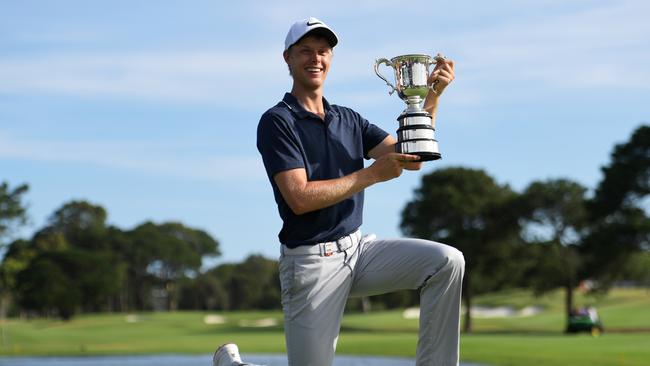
x,y
315,288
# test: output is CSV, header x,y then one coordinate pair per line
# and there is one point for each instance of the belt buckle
x,y
328,249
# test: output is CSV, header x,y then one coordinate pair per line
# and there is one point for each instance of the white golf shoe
x,y
228,355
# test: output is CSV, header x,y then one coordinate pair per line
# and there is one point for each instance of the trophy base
x,y
428,156
416,135
427,150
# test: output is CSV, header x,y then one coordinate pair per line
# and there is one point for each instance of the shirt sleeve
x,y
278,145
372,136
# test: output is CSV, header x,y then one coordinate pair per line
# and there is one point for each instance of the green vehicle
x,y
585,320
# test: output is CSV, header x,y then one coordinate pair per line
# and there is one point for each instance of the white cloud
x,y
204,77
161,158
282,13
605,46
590,45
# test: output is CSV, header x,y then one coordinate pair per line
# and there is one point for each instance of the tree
x,y
13,213
45,287
82,223
394,300
555,222
626,180
120,245
255,284
612,244
165,253
20,252
467,209
73,246
12,209
102,266
16,259
251,284
619,219
223,274
61,282
205,292
638,270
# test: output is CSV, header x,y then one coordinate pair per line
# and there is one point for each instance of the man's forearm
x,y
431,106
315,195
303,196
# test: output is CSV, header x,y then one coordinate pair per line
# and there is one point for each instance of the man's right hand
x,y
389,166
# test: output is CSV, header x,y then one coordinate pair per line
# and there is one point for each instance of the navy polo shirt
x,y
289,137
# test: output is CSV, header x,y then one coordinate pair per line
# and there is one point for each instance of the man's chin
x,y
312,85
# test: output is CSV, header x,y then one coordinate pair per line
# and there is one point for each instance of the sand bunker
x,y
214,319
486,312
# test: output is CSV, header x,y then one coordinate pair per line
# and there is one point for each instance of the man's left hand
x,y
441,76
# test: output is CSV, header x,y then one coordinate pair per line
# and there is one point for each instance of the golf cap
x,y
301,28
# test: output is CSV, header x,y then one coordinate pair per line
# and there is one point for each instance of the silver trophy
x,y
416,134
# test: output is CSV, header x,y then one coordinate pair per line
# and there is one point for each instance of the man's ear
x,y
285,54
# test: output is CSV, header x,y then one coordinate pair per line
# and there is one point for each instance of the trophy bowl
x,y
416,134
411,74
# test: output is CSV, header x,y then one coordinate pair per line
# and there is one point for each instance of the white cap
x,y
300,28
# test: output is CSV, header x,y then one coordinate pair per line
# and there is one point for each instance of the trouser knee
x,y
456,259
451,267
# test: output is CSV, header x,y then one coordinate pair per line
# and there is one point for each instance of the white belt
x,y
325,249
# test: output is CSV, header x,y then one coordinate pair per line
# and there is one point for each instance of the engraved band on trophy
x,y
416,134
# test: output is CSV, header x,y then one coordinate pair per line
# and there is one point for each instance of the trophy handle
x,y
384,61
432,87
433,61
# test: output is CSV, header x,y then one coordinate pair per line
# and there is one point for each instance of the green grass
x,y
542,350
535,340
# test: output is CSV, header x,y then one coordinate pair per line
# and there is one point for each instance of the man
x,y
313,153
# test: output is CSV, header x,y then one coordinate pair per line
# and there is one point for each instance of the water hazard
x,y
193,360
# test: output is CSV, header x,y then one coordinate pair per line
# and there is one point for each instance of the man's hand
x,y
440,78
442,75
389,166
413,165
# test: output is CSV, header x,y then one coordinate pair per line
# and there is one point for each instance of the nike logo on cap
x,y
310,23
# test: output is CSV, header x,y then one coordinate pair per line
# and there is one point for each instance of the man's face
x,y
309,61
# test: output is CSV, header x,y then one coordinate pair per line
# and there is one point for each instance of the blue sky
x,y
149,108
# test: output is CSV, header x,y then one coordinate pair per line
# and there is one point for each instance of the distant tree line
x,y
551,235
77,263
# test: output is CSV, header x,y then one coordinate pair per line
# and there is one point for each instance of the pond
x,y
192,360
